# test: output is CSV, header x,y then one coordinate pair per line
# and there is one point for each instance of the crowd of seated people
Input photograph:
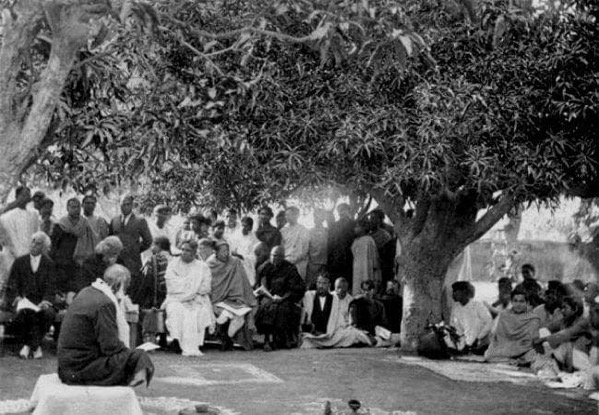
x,y
284,285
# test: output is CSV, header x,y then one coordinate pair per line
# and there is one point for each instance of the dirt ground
x,y
300,382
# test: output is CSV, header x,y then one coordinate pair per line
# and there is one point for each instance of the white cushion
x,y
52,397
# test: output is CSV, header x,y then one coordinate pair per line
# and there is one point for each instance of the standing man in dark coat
x,y
93,343
341,237
135,235
32,277
267,233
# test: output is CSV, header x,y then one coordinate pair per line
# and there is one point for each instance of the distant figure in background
x,y
206,249
385,245
93,346
184,234
471,319
97,223
73,240
280,220
232,230
36,199
32,280
262,254
218,231
366,264
504,287
243,245
200,225
160,227
136,238
531,285
47,223
341,237
317,249
267,233
17,226
296,240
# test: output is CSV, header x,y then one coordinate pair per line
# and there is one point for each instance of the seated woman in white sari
x,y
188,307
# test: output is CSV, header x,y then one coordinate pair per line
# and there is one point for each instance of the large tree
x,y
447,113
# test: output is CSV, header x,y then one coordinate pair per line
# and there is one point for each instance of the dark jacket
x,y
38,286
136,238
89,350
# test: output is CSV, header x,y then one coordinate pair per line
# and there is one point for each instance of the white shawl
x,y
121,322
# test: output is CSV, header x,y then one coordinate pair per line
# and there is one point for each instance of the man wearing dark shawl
x,y
267,233
232,297
93,343
279,314
73,240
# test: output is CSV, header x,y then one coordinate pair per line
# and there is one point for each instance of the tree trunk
x,y
431,238
424,271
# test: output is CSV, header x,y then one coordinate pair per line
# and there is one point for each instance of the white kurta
x,y
244,245
472,321
16,228
188,307
296,241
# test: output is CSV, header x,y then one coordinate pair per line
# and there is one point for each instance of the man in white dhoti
x,y
339,332
188,307
243,245
296,241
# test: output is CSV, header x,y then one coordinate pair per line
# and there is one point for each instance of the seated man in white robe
x,y
471,319
339,332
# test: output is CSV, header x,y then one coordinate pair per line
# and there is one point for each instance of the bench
x,y
51,397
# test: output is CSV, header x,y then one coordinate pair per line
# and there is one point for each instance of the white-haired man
x,y
30,293
93,346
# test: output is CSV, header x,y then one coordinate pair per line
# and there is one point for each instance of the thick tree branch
x,y
490,218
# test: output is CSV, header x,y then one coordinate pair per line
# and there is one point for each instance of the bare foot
x,y
138,379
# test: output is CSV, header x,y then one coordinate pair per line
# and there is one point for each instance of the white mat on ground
x,y
472,371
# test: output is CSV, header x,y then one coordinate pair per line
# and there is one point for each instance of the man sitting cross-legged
x,y
339,331
318,305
